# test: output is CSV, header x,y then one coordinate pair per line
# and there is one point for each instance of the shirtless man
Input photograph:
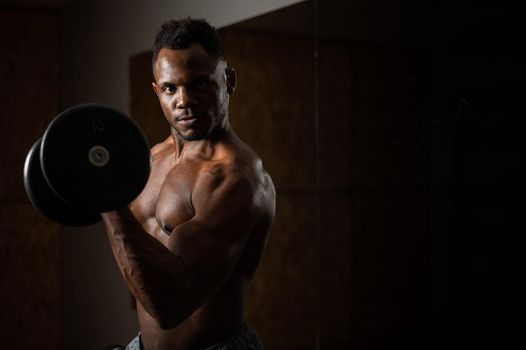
x,y
190,243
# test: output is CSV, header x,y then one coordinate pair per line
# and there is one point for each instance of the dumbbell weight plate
x,y
45,199
95,158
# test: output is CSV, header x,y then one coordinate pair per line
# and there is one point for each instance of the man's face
x,y
193,90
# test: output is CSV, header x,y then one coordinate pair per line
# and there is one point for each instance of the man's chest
x,y
174,200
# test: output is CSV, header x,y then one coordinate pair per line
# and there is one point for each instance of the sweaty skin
x,y
190,243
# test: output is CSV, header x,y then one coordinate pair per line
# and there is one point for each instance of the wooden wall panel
x,y
29,243
272,108
390,261
334,116
390,232
30,275
388,125
144,106
281,299
336,287
28,89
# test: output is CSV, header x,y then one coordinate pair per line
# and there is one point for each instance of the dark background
x,y
421,196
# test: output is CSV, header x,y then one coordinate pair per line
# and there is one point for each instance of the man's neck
x,y
204,147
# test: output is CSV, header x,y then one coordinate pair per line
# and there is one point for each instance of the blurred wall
x,y
29,243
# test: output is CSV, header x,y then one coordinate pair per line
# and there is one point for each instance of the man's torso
x,y
166,203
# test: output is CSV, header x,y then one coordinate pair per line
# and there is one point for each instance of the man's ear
x,y
231,80
155,88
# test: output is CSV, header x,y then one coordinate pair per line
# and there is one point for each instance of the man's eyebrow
x,y
198,77
165,84
201,76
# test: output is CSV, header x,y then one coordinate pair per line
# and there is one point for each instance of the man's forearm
x,y
155,275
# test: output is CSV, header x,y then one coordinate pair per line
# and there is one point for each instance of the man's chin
x,y
194,135
194,138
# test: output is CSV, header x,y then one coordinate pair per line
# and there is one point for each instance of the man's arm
x,y
172,282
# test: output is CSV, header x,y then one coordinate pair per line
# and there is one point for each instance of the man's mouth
x,y
187,119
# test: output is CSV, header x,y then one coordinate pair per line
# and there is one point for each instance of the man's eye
x,y
200,84
168,89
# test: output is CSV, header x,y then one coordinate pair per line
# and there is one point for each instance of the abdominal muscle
x,y
214,321
218,318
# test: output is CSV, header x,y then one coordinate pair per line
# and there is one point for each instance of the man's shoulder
x,y
236,163
225,172
238,177
162,147
239,171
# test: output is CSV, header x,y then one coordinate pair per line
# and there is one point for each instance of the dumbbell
x,y
91,159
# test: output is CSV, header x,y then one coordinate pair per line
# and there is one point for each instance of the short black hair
x,y
182,33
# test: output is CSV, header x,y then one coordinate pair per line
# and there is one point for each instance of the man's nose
x,y
184,98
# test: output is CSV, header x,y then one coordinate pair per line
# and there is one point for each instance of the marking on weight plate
x,y
98,156
97,126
